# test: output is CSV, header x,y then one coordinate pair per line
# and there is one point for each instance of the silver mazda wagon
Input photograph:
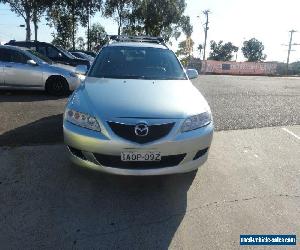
x,y
137,112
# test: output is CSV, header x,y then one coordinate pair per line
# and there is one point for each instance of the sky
x,y
231,21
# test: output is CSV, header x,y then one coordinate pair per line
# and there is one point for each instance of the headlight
x,y
196,121
73,74
81,119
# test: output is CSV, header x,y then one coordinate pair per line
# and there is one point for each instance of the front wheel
x,y
57,86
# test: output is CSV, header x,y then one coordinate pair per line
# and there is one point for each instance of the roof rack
x,y
145,39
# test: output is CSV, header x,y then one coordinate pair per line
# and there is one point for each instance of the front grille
x,y
127,131
115,162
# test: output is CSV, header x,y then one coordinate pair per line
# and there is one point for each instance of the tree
x,y
120,9
185,50
200,48
185,24
157,18
221,52
30,11
80,43
63,35
97,36
23,9
253,50
38,9
79,12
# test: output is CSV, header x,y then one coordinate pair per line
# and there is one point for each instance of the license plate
x,y
140,156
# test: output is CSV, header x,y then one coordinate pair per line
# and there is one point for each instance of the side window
x,y
4,55
42,50
53,52
17,57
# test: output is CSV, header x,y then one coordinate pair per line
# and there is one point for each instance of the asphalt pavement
x,y
249,185
29,118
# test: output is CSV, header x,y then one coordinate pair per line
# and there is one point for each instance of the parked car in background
x,y
56,54
23,68
90,53
82,55
137,112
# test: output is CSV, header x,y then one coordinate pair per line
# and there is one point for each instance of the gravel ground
x,y
251,102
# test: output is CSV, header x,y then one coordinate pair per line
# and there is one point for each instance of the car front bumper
x,y
74,82
85,145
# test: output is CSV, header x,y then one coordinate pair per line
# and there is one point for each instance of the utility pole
x,y
290,49
206,13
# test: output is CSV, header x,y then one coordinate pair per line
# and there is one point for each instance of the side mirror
x,y
192,73
32,62
81,69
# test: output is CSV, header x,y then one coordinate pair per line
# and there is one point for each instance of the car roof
x,y
28,42
137,44
13,47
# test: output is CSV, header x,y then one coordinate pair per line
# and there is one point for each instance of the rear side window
x,y
53,52
42,50
15,56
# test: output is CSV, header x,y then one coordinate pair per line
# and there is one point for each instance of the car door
x,y
3,59
18,73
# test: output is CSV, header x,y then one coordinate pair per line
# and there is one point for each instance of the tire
x,y
57,86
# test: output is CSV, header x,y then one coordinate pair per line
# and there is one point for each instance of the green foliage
x,y
253,50
184,52
158,18
80,44
186,26
78,12
221,52
120,10
200,48
97,36
185,48
63,35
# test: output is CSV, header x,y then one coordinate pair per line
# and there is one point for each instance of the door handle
x,y
8,66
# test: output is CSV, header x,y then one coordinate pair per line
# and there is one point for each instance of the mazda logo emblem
x,y
141,129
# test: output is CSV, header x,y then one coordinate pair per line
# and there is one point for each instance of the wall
x,y
239,68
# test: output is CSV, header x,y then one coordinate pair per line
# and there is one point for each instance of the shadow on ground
x,y
26,96
47,130
50,204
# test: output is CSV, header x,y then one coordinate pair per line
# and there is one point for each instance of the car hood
x,y
63,66
114,98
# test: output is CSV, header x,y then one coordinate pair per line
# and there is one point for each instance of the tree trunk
x,y
35,30
120,21
35,24
73,26
119,26
88,29
88,36
28,30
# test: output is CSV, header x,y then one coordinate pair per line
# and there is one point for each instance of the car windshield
x,y
40,56
123,62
